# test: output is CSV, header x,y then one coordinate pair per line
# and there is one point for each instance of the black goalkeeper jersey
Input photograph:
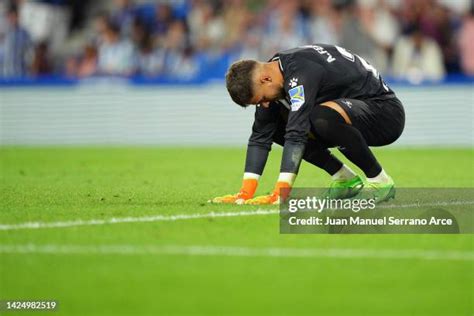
x,y
312,74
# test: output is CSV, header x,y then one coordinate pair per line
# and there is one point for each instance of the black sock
x,y
331,127
319,155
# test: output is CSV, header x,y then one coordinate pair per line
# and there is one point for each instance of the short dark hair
x,y
239,81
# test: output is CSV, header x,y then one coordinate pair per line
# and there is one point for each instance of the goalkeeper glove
x,y
249,186
280,193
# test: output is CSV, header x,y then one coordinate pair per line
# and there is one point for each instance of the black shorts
x,y
380,120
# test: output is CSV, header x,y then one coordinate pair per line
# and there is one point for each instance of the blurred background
x,y
406,39
117,59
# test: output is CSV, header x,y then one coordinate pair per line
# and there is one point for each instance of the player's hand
x,y
249,186
264,200
229,199
280,193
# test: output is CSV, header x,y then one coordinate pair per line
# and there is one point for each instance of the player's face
x,y
266,92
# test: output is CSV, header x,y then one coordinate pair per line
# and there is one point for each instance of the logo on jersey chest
x,y
296,97
293,82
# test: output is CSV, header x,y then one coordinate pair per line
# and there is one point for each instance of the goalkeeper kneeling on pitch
x,y
309,99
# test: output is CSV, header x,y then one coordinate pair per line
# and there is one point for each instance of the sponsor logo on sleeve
x,y
296,97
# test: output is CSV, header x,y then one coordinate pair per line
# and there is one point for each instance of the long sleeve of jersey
x,y
302,82
260,142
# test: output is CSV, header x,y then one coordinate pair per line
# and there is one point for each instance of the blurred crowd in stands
x,y
410,39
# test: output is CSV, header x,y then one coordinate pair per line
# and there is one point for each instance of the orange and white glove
x,y
246,192
280,192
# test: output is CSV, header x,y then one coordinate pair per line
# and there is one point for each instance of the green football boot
x,y
345,189
381,192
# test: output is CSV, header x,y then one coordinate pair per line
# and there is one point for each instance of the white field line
x,y
339,253
117,220
178,217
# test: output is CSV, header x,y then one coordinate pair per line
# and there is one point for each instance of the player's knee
x,y
324,121
321,126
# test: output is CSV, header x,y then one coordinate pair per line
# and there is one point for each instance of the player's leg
x,y
334,124
380,122
333,128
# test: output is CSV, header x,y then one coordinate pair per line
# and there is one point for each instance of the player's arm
x,y
302,97
259,145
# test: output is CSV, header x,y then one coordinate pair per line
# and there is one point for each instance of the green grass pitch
x,y
68,184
